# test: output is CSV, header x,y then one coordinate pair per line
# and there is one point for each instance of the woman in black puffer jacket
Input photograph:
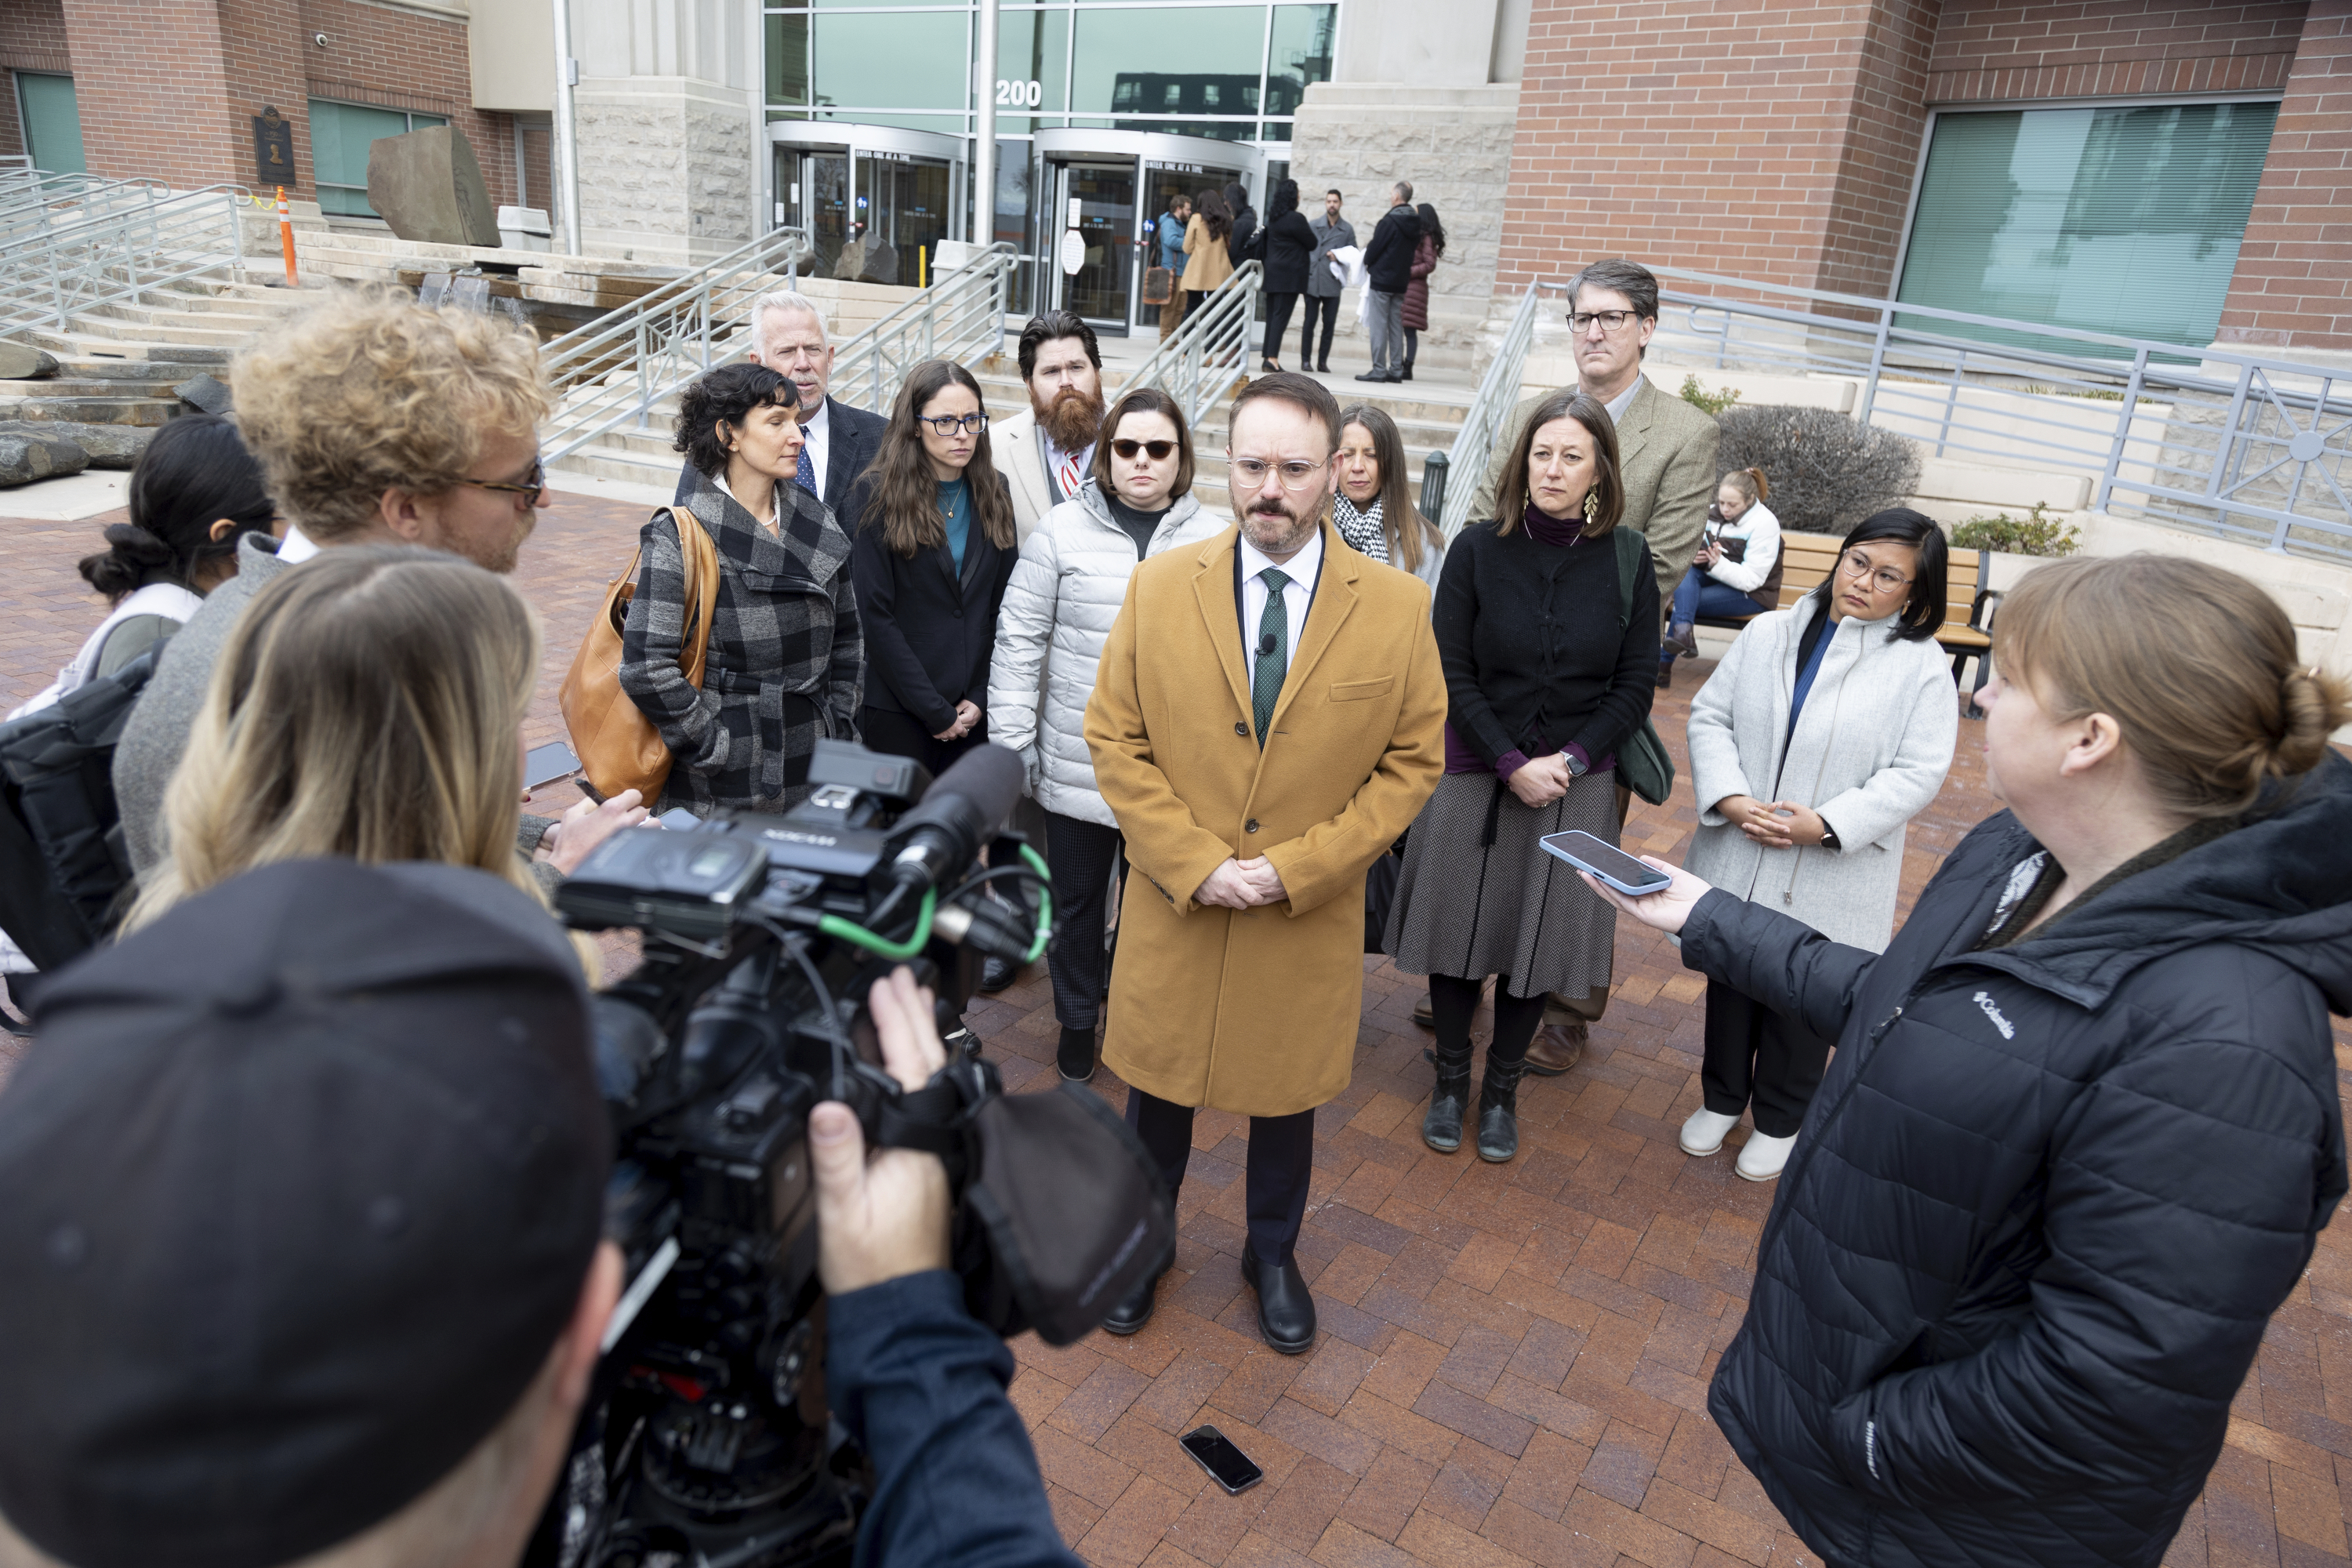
x,y
2083,1126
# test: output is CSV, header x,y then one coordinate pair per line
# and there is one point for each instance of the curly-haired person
x,y
376,421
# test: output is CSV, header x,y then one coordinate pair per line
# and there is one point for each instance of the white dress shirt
x,y
1084,461
1297,594
1623,401
296,546
819,431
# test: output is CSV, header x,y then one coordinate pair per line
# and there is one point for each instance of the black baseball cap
x,y
299,1186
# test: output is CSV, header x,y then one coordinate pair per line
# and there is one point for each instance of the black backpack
x,y
64,867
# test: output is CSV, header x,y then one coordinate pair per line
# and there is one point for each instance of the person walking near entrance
x,y
1046,450
1265,721
1065,592
932,561
1289,249
1332,233
1208,263
1172,256
1827,727
1426,251
1388,267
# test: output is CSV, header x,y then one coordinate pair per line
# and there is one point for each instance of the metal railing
x,y
1450,478
2246,447
38,200
1211,351
50,276
959,317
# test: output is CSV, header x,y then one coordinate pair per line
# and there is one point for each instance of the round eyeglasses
x,y
1296,474
1885,579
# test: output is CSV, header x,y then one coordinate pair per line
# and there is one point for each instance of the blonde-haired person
x,y
369,706
1736,571
1063,598
2082,1127
376,421
1371,505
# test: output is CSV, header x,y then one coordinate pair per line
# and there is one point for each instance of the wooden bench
x,y
1970,600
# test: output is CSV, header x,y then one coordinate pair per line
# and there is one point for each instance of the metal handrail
x,y
1498,394
48,278
1210,352
959,317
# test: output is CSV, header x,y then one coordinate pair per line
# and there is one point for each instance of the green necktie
x,y
1274,650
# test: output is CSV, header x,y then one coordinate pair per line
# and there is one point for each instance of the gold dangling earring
x,y
1591,504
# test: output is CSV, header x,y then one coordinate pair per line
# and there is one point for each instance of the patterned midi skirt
x,y
1471,908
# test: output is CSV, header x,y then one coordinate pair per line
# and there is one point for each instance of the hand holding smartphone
x,y
1611,865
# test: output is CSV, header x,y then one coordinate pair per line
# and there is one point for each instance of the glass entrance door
x,y
813,196
902,208
1103,290
874,201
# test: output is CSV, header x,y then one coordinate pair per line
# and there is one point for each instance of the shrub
x,y
1698,396
2038,534
1828,470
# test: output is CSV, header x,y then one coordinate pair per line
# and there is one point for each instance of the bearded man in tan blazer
x,y
1267,718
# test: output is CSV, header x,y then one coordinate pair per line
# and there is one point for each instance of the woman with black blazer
x,y
933,553
1289,247
1548,657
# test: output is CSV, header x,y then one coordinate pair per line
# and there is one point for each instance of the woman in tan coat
x,y
1208,263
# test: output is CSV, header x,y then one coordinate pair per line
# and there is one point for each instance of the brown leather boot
x,y
1555,1048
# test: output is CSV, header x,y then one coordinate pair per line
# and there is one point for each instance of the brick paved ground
x,y
1513,1359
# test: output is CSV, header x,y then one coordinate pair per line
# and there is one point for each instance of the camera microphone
x,y
1265,644
965,808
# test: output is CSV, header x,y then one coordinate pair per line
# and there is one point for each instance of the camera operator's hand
x,y
587,826
880,1218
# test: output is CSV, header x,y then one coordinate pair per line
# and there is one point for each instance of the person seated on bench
x,y
1736,571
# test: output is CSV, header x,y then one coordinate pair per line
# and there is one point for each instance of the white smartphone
x,y
1612,866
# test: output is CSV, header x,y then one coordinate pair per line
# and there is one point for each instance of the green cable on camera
x,y
834,926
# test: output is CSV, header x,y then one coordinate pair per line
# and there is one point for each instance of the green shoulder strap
x,y
1629,562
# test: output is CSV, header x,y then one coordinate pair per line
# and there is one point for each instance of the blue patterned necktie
x,y
1274,656
805,474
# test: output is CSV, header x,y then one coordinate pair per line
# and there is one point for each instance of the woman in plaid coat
x,y
787,661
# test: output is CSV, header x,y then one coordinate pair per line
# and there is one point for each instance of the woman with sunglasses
x,y
1827,726
1066,592
935,547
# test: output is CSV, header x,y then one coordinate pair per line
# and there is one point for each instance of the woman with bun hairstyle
x,y
2082,1127
1736,571
193,494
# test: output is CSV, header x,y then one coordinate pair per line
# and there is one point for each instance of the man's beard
x,y
1073,419
1282,531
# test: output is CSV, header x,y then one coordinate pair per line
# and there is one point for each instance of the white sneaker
x,y
1761,1158
1702,1133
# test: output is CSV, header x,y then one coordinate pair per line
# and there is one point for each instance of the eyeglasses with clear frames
x,y
1885,579
1296,474
956,423
534,485
1612,321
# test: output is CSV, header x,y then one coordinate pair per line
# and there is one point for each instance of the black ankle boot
x,y
1498,1111
1407,375
1075,1056
1441,1128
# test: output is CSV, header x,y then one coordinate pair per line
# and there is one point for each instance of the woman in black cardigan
x,y
1548,672
1289,246
933,553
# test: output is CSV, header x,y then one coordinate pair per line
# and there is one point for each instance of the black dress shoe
x,y
1135,1311
1286,1308
1324,368
1373,376
1073,1056
996,973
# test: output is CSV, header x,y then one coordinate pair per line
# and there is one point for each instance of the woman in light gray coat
x,y
1065,592
1826,728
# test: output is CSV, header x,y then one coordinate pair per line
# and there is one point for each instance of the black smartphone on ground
x,y
1227,1466
549,763
1611,865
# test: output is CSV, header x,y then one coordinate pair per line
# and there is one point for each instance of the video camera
x,y
706,1438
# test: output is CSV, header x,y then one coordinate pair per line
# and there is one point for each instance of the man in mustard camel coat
x,y
1267,718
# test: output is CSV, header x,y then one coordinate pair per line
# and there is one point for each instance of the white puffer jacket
x,y
1065,592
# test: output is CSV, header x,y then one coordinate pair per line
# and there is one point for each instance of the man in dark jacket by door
x,y
1388,267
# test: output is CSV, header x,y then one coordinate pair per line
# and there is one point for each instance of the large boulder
x,y
106,446
427,185
204,392
22,361
24,458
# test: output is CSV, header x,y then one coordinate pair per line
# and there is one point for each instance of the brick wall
x,y
399,59
1766,140
2295,270
1991,50
147,80
32,38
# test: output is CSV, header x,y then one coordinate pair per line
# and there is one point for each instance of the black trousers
x,y
1757,1057
1278,307
1281,1161
903,735
1327,307
1083,855
1193,298
1411,345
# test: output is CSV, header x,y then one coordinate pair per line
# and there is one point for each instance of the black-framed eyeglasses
x,y
1612,321
1158,450
955,424
1885,579
534,485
